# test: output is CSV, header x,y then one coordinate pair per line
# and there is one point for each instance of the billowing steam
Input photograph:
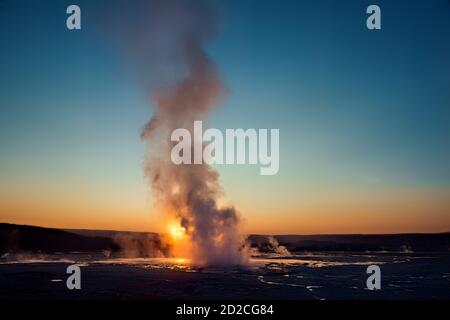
x,y
276,248
166,39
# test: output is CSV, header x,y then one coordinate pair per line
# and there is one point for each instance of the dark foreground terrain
x,y
119,265
312,276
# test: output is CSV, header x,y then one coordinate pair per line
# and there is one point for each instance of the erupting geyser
x,y
167,43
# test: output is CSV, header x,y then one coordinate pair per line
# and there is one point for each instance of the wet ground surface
x,y
305,276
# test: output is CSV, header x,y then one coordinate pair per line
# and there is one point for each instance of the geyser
x,y
165,41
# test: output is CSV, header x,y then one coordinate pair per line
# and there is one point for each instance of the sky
x,y
364,117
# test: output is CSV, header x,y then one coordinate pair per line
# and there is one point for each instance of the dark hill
x,y
14,238
359,242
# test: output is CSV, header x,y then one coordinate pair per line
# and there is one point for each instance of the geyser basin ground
x,y
309,276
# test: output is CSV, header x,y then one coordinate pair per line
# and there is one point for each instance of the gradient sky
x,y
364,117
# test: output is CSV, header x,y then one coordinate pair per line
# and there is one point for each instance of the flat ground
x,y
328,276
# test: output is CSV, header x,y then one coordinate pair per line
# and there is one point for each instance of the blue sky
x,y
355,108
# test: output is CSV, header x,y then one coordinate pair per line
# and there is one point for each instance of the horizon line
x,y
249,234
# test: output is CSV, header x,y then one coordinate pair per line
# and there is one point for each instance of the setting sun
x,y
176,231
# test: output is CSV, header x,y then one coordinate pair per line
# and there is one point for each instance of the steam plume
x,y
167,40
276,248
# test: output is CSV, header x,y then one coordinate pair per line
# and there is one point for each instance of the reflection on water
x,y
311,275
274,263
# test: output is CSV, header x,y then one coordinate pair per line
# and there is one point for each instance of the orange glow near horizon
x,y
355,211
175,235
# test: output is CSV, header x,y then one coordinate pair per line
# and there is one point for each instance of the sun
x,y
176,231
178,239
